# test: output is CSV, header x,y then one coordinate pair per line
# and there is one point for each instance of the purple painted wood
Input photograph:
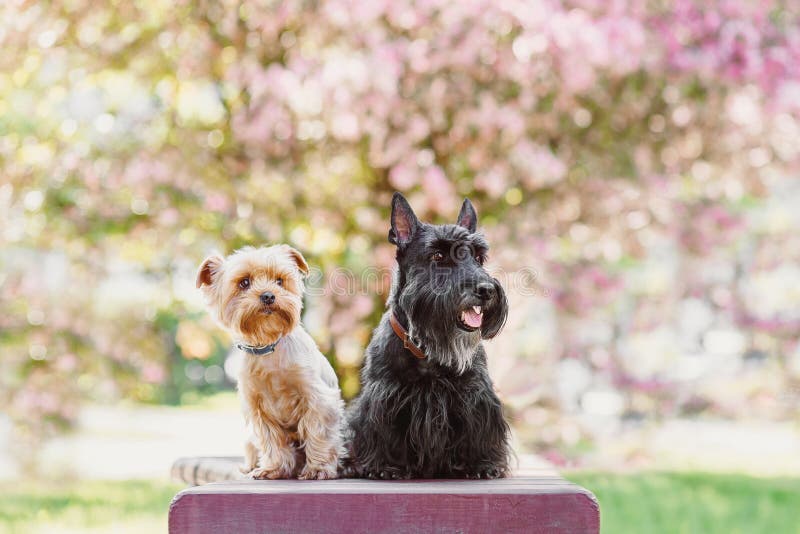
x,y
536,504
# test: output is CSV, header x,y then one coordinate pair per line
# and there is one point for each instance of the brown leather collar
x,y
402,334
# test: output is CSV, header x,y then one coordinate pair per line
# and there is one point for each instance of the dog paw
x,y
386,474
349,471
260,473
487,473
317,473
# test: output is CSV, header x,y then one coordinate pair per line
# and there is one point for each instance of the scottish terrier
x,y
427,408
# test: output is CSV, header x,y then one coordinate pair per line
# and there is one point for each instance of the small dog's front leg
x,y
320,435
278,458
250,457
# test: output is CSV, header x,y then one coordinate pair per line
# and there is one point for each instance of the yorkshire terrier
x,y
289,392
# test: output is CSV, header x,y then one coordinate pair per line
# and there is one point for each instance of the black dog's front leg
x,y
375,446
486,471
381,454
386,472
485,453
374,472
376,463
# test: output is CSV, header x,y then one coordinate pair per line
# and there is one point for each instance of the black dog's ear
x,y
467,217
404,222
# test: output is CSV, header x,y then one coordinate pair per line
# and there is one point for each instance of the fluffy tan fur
x,y
290,398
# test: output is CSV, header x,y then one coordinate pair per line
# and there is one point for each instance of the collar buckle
x,y
401,332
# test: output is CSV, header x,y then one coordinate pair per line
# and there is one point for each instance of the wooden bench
x,y
221,500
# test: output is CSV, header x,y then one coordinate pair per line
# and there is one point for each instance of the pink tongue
x,y
472,319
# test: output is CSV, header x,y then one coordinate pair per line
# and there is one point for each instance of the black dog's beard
x,y
433,315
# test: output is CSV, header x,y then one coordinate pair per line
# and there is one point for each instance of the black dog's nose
x,y
485,291
267,298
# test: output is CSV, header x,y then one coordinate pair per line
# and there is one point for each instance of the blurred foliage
x,y
632,164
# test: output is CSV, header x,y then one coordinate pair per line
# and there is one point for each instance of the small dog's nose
x,y
485,291
267,298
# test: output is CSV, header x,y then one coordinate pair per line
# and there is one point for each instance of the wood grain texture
x,y
541,503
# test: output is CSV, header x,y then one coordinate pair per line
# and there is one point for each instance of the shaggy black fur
x,y
438,416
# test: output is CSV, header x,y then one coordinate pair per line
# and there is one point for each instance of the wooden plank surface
x,y
536,503
204,469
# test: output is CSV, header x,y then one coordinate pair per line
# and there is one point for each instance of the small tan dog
x,y
289,392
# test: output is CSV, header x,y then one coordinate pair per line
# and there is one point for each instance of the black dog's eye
x,y
244,283
437,256
279,281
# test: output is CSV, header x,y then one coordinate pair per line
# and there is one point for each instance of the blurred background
x,y
634,165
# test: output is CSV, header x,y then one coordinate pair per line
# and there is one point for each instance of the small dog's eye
x,y
279,281
437,256
244,283
480,258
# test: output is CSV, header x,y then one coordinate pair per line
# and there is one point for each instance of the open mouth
x,y
472,318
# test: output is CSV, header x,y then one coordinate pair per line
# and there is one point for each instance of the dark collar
x,y
258,351
402,334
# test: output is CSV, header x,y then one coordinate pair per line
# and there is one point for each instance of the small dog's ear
x,y
404,222
298,258
208,269
467,217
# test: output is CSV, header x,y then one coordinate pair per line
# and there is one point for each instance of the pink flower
x,y
217,202
153,373
403,177
439,192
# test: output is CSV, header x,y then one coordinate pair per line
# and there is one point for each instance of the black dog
x,y
427,407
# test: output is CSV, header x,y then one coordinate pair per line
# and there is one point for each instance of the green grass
x,y
93,506
643,503
689,503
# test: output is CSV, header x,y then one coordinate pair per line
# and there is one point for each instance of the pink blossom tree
x,y
637,158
